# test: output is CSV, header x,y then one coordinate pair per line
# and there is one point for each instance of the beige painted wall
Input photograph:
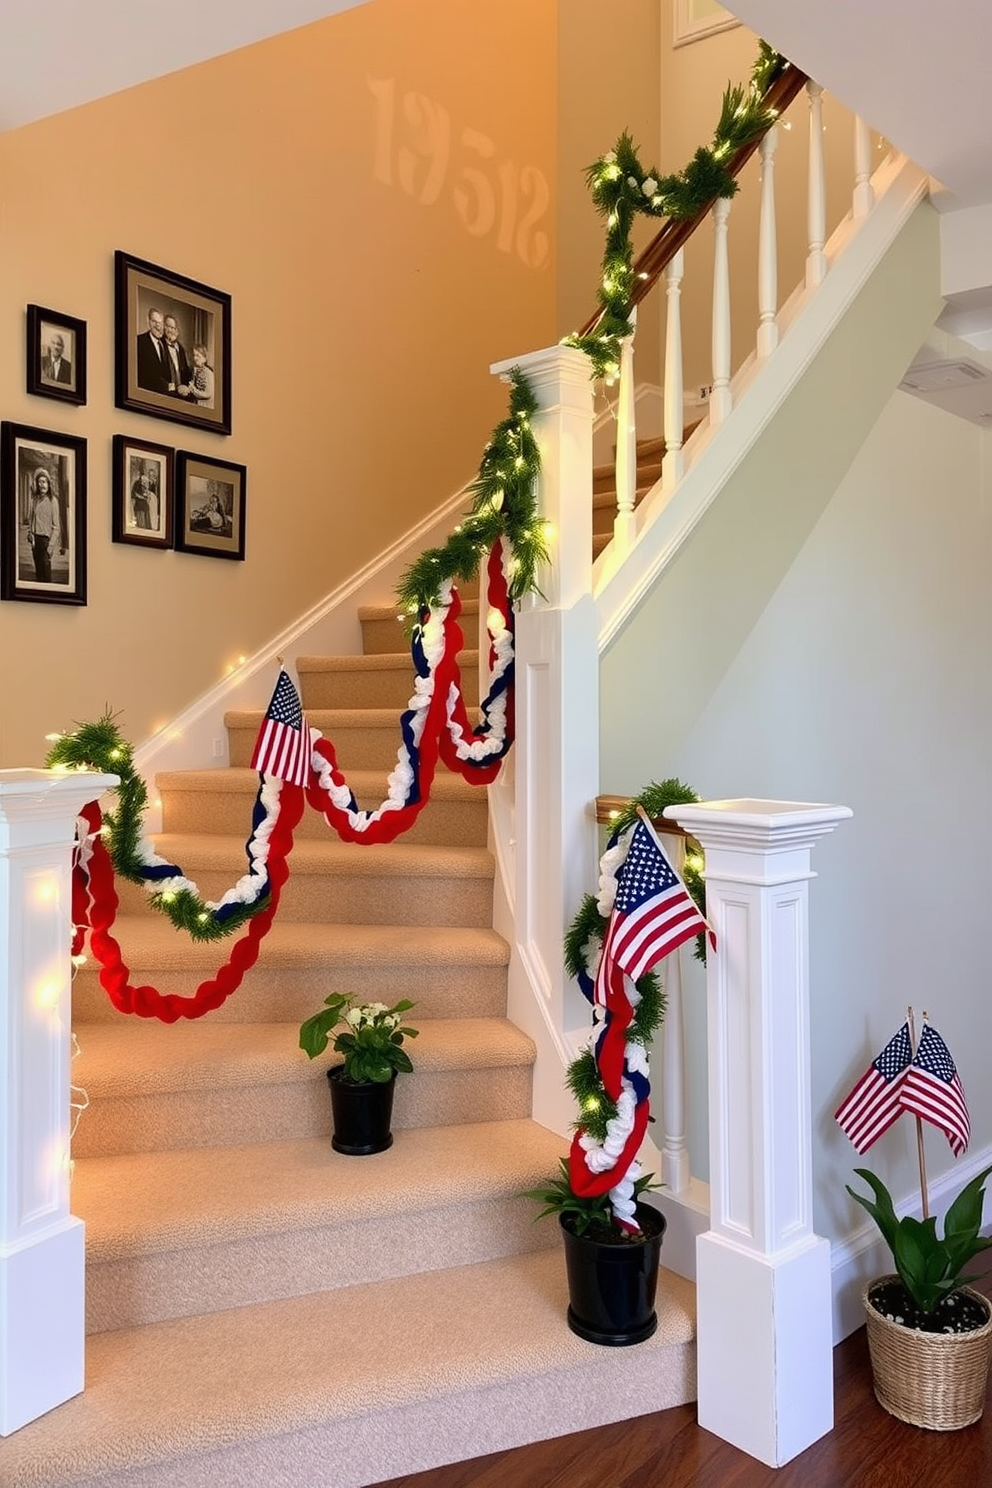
x,y
366,310
597,102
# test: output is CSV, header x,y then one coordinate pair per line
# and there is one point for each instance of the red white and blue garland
x,y
605,1161
435,726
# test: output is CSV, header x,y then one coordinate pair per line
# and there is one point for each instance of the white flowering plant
x,y
370,1040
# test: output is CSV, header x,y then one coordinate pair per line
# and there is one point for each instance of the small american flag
x,y
876,1100
653,913
282,748
933,1090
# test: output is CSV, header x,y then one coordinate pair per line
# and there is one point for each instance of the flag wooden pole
x,y
921,1155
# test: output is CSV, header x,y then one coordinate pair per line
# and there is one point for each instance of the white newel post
x,y
763,1277
557,689
41,1244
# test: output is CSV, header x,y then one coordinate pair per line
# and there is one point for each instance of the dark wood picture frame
x,y
143,492
211,503
42,532
56,355
153,306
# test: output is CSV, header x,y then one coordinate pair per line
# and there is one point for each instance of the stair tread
x,y
238,780
389,611
210,1195
134,1058
205,851
151,940
166,1391
383,661
327,719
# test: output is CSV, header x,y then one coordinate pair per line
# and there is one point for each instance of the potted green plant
x,y
929,1333
370,1043
612,1272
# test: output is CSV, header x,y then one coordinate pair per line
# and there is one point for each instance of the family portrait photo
x,y
210,502
142,493
42,515
173,346
56,355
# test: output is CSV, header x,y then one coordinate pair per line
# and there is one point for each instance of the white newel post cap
x,y
748,829
29,798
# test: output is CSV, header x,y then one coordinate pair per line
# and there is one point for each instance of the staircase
x,y
261,1309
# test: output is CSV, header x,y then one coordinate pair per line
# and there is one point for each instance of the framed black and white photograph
x,y
56,355
143,486
210,506
173,346
42,515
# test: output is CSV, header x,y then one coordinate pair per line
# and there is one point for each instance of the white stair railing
x,y
721,396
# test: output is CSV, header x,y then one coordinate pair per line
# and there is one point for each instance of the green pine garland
x,y
621,188
100,746
504,505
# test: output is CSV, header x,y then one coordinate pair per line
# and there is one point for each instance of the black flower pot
x,y
611,1286
361,1113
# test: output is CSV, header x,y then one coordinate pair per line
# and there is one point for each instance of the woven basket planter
x,y
936,1380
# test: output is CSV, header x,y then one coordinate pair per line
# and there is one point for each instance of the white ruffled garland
x,y
250,887
402,776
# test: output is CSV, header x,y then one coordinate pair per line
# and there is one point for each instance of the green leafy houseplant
x,y
592,1216
370,1041
930,1267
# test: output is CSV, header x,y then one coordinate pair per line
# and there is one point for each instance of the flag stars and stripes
x,y
282,749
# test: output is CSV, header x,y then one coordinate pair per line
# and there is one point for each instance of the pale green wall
x,y
865,681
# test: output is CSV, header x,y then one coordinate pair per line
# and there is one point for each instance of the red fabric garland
x,y
94,897
168,1007
590,1185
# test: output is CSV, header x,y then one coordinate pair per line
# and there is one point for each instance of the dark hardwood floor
x,y
867,1448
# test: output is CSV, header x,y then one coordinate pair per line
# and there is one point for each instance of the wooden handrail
x,y
655,258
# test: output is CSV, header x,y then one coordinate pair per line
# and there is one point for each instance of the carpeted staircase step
x,y
363,738
171,1234
351,1387
153,1086
457,813
344,882
453,972
382,627
382,681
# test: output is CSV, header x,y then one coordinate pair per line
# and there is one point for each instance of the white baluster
x,y
626,470
816,259
721,401
767,249
864,192
672,465
675,1169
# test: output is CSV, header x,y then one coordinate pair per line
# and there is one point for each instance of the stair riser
x,y
231,1115
382,634
443,823
374,688
361,747
369,900
282,994
199,1278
